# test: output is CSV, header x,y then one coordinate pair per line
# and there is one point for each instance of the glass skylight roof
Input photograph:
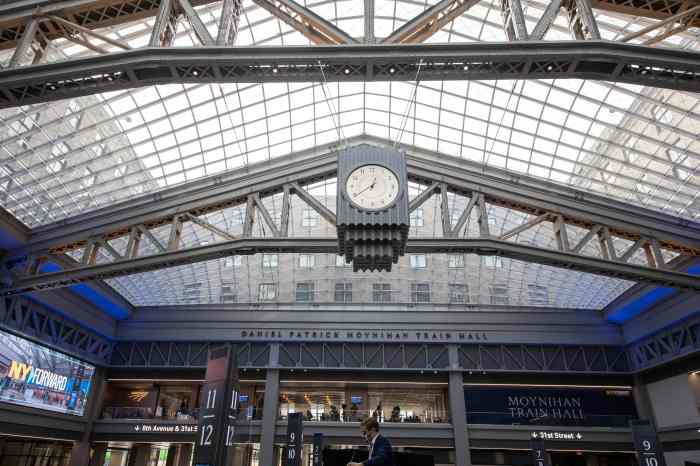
x,y
628,142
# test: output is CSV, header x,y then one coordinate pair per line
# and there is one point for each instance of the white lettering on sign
x,y
558,435
363,335
166,428
555,407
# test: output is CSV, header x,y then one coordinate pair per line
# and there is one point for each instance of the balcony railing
x,y
507,418
429,417
139,412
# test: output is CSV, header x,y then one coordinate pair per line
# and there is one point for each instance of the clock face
x,y
372,187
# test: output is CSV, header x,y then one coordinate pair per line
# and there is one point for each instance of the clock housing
x,y
372,206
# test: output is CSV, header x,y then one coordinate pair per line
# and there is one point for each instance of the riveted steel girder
x,y
596,60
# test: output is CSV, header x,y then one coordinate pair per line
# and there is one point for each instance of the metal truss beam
x,y
183,354
544,358
311,245
660,9
314,27
89,14
647,233
430,21
615,62
498,186
27,317
95,14
597,359
666,345
684,18
228,23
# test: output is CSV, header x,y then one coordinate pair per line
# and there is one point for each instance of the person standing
x,y
379,447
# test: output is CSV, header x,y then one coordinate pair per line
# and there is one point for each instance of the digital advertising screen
x,y
35,376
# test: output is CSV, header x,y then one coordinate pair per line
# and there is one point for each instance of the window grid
x,y
381,292
343,292
420,292
305,292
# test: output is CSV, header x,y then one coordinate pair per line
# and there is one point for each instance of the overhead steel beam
x,y
324,245
430,168
89,235
314,27
597,60
37,321
228,23
659,9
429,22
546,20
685,17
369,21
91,14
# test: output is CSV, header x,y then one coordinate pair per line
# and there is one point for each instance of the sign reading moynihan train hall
x,y
516,405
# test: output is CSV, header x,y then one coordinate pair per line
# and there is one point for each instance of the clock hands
x,y
371,186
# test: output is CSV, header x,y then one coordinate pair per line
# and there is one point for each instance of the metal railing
x,y
139,412
570,419
339,415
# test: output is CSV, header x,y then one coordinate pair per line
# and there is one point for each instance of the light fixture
x,y
346,70
392,70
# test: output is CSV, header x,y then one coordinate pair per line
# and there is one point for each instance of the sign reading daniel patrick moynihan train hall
x,y
517,405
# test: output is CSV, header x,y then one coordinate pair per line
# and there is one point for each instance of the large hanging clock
x,y
372,207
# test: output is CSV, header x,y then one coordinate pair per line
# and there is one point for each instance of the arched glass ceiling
x,y
631,143
628,142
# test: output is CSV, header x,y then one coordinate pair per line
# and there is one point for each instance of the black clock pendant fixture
x,y
372,209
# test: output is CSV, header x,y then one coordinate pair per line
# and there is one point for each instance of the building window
x,y
307,260
416,218
493,262
192,290
305,292
418,261
228,293
499,295
538,295
340,262
270,261
381,292
233,261
458,293
267,291
343,292
455,261
492,215
309,217
420,292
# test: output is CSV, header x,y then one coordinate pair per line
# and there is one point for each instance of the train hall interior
x,y
242,232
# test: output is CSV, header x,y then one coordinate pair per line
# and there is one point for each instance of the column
x,y
269,419
80,455
173,452
458,412
140,454
99,450
185,455
642,401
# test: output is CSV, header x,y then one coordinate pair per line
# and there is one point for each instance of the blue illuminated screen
x,y
38,377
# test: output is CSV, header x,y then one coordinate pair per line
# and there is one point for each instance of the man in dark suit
x,y
379,447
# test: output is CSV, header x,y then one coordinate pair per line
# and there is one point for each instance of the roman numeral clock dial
x,y
372,187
